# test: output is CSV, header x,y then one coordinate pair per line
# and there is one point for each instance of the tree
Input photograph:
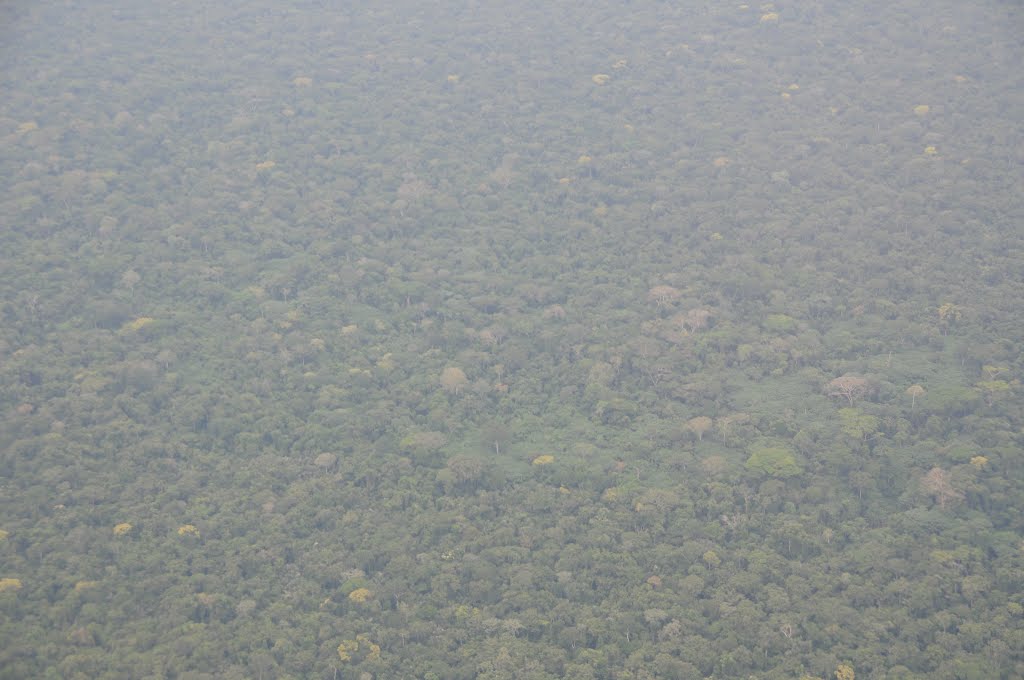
x,y
9,584
129,280
857,424
773,461
495,434
715,466
949,315
453,379
422,446
325,461
360,595
914,391
663,295
990,389
695,319
465,469
993,372
699,426
165,358
937,483
850,387
844,672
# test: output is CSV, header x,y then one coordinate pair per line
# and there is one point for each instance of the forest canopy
x,y
631,341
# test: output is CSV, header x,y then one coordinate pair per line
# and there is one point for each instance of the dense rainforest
x,y
592,340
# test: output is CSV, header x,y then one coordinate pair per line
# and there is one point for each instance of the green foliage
x,y
773,461
779,324
393,360
857,424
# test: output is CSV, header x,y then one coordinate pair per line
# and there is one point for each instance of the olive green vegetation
x,y
613,342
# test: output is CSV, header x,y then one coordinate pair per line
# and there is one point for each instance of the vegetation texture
x,y
622,341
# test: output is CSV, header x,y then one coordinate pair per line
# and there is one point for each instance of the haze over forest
x,y
534,340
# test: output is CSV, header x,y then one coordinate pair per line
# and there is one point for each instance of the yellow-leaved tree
x,y
10,584
360,595
844,672
348,648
